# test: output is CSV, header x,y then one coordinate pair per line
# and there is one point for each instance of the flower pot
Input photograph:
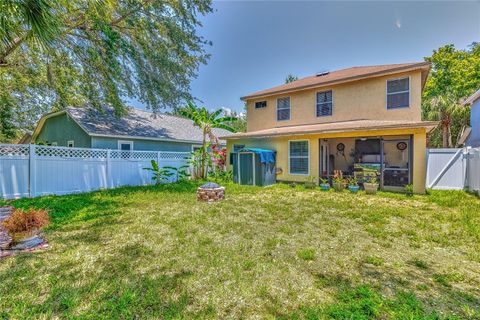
x,y
27,243
370,188
325,186
338,186
353,189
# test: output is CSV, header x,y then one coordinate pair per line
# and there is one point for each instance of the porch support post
x,y
314,153
419,164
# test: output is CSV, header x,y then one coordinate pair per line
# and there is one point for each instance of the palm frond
x,y
225,126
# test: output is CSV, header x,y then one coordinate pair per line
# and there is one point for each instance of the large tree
x,y
58,53
454,76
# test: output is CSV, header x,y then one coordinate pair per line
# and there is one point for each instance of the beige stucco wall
x,y
363,99
280,144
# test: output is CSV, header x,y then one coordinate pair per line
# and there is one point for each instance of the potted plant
x,y
324,185
25,227
338,183
311,182
371,185
353,185
409,190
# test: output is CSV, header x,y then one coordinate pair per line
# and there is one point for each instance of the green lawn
x,y
277,252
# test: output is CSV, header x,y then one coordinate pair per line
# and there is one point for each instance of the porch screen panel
x,y
283,109
298,157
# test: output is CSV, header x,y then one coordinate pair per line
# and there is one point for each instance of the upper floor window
x,y
324,103
283,109
398,93
260,104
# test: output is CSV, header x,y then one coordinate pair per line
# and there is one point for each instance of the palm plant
x,y
23,21
207,121
443,109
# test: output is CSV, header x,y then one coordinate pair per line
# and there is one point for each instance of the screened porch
x,y
389,159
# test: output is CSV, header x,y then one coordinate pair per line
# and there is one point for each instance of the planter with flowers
x,y
371,185
353,185
338,183
324,185
25,228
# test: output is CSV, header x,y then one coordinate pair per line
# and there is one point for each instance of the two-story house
x,y
358,121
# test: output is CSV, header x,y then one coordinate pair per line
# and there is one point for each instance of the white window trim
x,y
196,146
120,142
316,104
72,142
308,158
409,91
289,108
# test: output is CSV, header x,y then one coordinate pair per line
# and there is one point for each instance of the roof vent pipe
x,y
322,73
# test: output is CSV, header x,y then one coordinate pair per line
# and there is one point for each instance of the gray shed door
x,y
246,168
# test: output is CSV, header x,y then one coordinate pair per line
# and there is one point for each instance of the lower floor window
x,y
298,157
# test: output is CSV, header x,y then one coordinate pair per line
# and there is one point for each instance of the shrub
x,y
26,222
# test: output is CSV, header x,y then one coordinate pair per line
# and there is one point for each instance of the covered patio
x,y
392,150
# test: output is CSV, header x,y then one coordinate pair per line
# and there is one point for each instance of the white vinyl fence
x,y
31,170
454,169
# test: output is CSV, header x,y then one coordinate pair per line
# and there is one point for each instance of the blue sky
x,y
257,43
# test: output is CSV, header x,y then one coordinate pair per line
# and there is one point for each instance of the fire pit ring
x,y
210,192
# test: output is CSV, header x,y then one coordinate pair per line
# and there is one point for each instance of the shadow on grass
x,y
97,205
115,290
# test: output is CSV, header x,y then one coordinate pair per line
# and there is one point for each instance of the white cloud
x,y
398,23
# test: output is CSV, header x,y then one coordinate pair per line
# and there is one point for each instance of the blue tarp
x,y
266,156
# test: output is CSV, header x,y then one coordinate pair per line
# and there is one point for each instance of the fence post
x,y
31,171
109,170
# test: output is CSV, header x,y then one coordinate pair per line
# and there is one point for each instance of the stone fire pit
x,y
210,192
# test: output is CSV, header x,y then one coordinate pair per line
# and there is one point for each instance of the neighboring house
x,y
138,130
360,121
471,135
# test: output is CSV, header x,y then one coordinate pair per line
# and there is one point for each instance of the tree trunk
x,y
204,150
445,135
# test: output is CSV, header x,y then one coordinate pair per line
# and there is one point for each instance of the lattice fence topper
x,y
175,155
63,152
14,150
134,155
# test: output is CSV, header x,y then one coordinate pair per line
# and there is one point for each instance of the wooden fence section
x,y
31,170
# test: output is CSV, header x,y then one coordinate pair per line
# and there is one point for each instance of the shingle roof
x,y
139,123
344,75
335,127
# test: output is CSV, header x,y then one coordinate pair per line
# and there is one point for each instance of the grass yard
x,y
278,252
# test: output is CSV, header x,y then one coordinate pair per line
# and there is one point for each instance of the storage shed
x,y
254,166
